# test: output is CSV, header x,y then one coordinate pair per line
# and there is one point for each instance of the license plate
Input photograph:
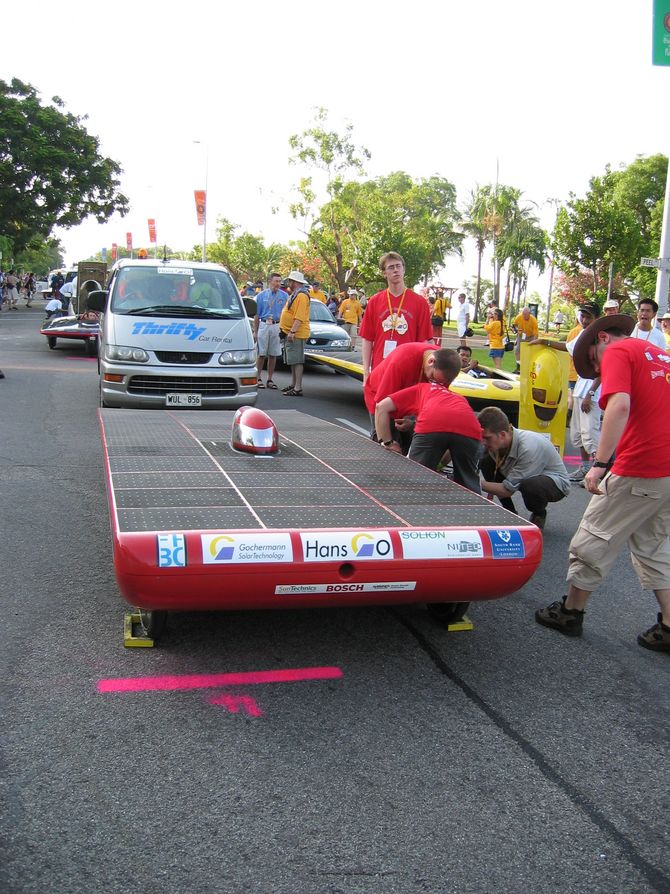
x,y
183,400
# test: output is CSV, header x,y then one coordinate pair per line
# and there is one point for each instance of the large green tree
x,y
40,255
616,223
245,255
417,218
350,223
640,188
51,170
328,160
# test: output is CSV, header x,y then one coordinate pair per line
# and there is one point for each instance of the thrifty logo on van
x,y
324,546
190,330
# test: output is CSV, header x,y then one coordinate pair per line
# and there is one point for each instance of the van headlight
x,y
237,358
125,354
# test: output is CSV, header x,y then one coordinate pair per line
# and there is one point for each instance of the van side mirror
x,y
97,301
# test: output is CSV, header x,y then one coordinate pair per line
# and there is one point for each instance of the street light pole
x,y
663,277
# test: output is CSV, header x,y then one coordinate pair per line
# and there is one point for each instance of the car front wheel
x,y
447,612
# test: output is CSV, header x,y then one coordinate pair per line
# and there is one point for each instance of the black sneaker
x,y
539,519
657,638
566,620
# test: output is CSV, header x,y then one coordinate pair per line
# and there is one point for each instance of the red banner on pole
x,y
201,206
115,251
129,241
152,230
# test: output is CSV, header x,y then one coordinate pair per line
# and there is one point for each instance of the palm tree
x,y
521,242
473,226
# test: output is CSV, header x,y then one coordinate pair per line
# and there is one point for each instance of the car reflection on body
x,y
325,335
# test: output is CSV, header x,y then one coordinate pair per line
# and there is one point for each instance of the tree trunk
x,y
478,292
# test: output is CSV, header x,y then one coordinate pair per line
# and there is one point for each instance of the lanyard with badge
x,y
395,322
269,315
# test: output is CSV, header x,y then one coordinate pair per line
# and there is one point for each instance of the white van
x,y
174,334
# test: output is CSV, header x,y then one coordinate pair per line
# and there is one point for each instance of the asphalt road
x,y
505,759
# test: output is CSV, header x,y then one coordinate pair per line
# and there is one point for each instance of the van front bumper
x,y
145,386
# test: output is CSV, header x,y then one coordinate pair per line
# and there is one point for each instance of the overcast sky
x,y
551,91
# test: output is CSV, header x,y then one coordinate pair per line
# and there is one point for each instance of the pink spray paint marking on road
x,y
233,703
209,681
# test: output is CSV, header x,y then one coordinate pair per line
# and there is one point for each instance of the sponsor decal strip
x,y
233,549
450,543
308,589
506,543
326,546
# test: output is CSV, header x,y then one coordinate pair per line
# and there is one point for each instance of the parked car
x,y
326,336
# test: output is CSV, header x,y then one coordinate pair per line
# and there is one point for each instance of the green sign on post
x,y
661,52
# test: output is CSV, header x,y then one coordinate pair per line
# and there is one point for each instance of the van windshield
x,y
175,291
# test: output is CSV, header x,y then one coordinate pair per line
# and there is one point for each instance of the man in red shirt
x,y
394,316
444,421
409,364
631,502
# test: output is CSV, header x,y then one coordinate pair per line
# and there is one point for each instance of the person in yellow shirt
x,y
316,292
350,312
438,312
525,326
495,329
294,324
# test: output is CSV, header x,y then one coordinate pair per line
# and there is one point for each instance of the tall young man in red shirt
x,y
631,503
394,316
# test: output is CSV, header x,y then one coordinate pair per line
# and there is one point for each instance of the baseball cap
x,y
590,307
611,302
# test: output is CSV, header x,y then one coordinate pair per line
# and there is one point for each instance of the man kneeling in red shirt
x,y
444,421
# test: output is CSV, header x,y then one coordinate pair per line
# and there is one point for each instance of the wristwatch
x,y
386,443
598,465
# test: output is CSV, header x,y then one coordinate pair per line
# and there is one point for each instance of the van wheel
x,y
51,341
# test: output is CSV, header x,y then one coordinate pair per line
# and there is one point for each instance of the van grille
x,y
193,358
210,387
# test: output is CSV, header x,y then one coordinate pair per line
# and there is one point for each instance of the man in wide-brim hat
x,y
294,324
631,494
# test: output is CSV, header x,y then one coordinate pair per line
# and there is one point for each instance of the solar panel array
x,y
178,471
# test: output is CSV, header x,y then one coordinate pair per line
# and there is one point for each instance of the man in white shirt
x,y
464,312
67,292
645,329
586,417
54,305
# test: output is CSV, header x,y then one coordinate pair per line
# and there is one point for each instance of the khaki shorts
x,y
294,351
633,511
268,343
